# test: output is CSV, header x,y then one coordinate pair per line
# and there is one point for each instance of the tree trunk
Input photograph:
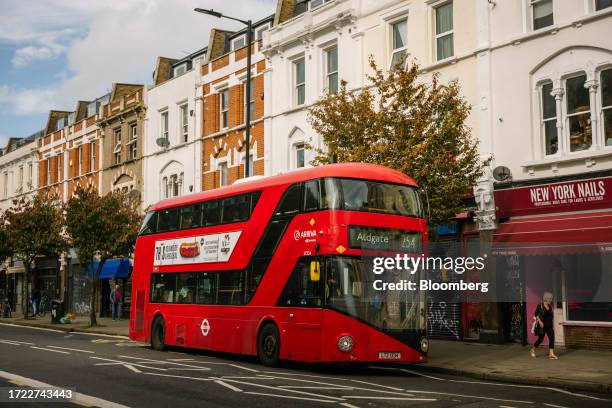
x,y
92,306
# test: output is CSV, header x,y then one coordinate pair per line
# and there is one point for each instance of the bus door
x,y
301,312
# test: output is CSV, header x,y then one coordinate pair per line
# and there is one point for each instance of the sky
x,y
54,53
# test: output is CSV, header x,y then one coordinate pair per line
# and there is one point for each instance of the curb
x,y
63,327
538,381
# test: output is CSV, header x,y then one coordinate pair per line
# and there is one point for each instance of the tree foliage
x,y
101,228
406,123
34,229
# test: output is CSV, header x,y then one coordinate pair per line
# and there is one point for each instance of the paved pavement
x,y
116,372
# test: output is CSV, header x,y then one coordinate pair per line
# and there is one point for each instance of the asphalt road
x,y
116,372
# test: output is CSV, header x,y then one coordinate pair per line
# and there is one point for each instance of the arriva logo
x,y
297,234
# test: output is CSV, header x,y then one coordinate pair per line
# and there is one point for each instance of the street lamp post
x,y
249,24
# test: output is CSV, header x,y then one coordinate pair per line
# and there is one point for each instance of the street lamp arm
x,y
217,14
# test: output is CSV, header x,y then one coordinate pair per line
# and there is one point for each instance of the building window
x,y
299,69
58,162
165,187
606,105
331,70
30,176
317,3
222,173
133,141
48,171
5,186
180,70
80,159
260,30
444,31
299,155
602,4
20,187
224,108
117,149
238,42
184,115
251,104
164,125
549,119
578,114
542,13
399,33
92,156
250,165
174,186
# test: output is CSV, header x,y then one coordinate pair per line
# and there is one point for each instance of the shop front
x,y
557,237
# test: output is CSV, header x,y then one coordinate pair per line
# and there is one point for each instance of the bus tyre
x,y
268,345
158,334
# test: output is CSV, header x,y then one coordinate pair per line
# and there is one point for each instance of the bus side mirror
x,y
315,271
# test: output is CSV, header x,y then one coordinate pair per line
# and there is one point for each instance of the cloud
x,y
107,41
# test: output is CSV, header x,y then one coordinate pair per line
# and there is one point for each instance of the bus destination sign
x,y
385,239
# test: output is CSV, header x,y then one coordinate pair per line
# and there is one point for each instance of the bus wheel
x,y
158,334
268,345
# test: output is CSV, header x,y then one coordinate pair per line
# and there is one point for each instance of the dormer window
x,y
238,42
180,69
260,30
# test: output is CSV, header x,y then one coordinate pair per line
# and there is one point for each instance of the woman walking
x,y
543,325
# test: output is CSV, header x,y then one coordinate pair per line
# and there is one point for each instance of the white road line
x,y
32,327
284,389
182,377
117,362
46,349
134,369
288,396
180,359
471,396
347,405
307,375
562,391
506,406
181,365
72,349
17,341
298,387
554,406
12,343
378,385
389,398
79,398
231,387
401,392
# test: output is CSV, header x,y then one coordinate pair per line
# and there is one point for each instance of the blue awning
x,y
112,269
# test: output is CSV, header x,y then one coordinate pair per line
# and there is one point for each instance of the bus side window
x,y
168,220
231,288
185,288
236,209
311,195
163,287
291,201
207,288
149,225
213,213
190,216
330,194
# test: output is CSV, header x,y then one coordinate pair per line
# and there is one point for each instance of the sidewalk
x,y
81,324
576,369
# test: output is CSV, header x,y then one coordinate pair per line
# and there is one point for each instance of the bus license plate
x,y
385,355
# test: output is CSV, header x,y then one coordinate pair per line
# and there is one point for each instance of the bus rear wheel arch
x,y
268,345
158,333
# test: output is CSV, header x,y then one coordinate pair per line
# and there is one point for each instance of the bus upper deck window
x,y
291,200
311,195
330,194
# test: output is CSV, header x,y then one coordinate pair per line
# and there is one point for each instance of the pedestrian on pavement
x,y
116,300
35,302
543,318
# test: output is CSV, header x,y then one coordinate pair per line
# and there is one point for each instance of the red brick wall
x,y
588,337
220,62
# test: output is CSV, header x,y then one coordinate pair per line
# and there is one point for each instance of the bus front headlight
x,y
345,344
424,344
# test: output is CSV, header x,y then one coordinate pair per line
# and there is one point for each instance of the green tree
x,y
407,123
34,228
101,228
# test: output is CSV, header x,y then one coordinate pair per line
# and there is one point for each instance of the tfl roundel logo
x,y
205,327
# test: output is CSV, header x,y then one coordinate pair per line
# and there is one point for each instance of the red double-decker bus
x,y
278,267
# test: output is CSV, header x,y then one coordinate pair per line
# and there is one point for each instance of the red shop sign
x,y
574,195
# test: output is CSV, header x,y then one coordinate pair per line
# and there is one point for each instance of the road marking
x,y
378,385
390,398
78,398
554,406
182,366
72,349
131,367
181,359
46,349
347,405
562,391
231,387
288,396
12,343
19,342
181,376
284,389
32,327
124,363
506,406
341,388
